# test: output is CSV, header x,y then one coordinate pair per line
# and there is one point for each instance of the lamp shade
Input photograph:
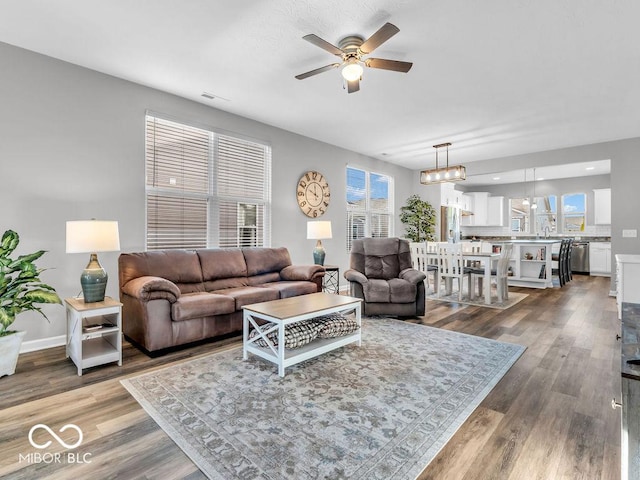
x,y
92,236
318,230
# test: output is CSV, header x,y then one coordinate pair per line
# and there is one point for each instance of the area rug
x,y
513,299
379,411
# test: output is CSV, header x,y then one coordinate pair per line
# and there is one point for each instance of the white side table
x,y
94,332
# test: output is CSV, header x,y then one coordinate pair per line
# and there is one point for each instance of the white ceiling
x,y
494,77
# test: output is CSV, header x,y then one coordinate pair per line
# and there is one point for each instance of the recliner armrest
x,y
152,288
412,275
355,276
301,272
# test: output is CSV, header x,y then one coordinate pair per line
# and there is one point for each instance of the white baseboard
x,y
43,343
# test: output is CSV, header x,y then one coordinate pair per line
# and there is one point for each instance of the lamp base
x,y
93,281
319,254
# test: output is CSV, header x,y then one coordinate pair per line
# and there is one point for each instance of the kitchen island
x,y
531,262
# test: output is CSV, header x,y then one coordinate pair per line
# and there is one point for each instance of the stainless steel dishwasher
x,y
580,257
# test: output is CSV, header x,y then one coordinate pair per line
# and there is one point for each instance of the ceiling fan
x,y
352,49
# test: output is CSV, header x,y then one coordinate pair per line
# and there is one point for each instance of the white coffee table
x,y
291,310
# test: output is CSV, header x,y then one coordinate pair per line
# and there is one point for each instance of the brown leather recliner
x,y
175,297
382,275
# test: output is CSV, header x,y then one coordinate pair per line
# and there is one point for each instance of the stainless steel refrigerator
x,y
450,224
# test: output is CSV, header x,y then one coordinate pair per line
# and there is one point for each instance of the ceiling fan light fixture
x,y
352,70
446,174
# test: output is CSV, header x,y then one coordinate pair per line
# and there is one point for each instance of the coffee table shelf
x,y
296,309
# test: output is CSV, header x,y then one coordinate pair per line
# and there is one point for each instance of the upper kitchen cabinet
x,y
602,206
487,210
449,196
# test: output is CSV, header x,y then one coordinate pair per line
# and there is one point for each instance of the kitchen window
x,y
574,212
369,205
520,214
546,215
205,189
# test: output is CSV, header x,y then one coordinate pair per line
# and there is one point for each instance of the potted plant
x,y
419,219
21,290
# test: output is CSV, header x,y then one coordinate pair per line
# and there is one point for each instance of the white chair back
x,y
502,269
450,260
419,259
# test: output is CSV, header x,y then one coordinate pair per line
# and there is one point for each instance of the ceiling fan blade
x,y
385,32
310,73
395,65
353,85
318,42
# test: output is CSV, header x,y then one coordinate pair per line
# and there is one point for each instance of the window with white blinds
x,y
369,205
205,189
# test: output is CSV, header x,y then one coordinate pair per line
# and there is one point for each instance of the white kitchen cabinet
x,y
480,210
467,203
602,206
600,258
495,211
449,196
487,210
627,280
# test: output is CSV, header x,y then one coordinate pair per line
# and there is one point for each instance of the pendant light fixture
x,y
526,199
534,205
441,175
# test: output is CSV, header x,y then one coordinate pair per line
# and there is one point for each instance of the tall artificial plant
x,y
21,289
419,219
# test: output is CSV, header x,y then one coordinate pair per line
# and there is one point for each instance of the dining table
x,y
486,259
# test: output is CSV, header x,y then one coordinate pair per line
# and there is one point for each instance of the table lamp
x,y
317,230
93,236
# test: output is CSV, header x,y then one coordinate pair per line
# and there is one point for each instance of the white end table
x,y
94,332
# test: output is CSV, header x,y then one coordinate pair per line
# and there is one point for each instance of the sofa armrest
x,y
152,288
355,276
301,272
412,275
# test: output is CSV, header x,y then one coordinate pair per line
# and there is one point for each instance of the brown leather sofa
x,y
175,297
382,275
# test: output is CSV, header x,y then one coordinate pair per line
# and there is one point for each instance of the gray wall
x,y
72,148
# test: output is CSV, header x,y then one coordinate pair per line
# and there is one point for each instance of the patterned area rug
x,y
379,411
479,302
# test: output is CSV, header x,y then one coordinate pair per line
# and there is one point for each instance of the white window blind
x,y
205,189
369,205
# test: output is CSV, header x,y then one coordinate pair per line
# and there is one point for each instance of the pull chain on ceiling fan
x,y
352,49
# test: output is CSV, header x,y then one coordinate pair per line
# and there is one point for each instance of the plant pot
x,y
9,351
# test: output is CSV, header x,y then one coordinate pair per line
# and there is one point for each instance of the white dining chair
x,y
501,274
451,267
422,261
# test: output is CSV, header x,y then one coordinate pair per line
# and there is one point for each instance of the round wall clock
x,y
313,194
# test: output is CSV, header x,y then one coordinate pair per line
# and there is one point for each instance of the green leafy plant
x,y
419,219
21,289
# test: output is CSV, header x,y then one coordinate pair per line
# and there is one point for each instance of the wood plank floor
x,y
549,418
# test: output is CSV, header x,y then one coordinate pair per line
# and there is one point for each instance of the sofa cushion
x,y
198,305
181,267
381,257
376,290
291,289
248,295
222,263
402,291
265,260
295,335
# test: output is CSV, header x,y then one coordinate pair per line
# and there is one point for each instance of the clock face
x,y
313,194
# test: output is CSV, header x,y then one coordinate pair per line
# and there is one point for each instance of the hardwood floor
x,y
549,418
